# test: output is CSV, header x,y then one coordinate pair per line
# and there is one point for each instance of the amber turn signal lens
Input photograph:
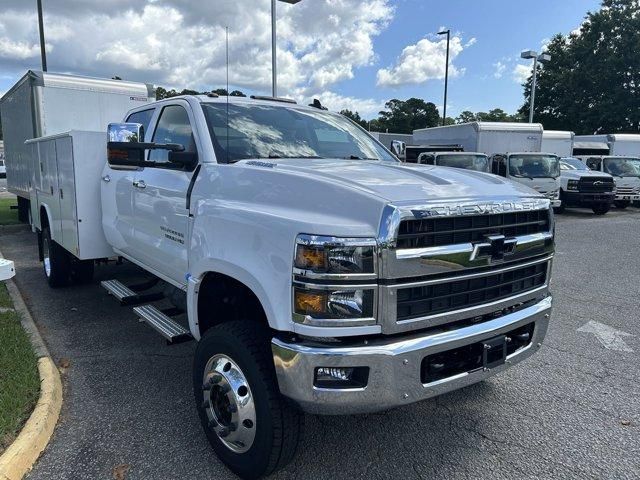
x,y
309,302
310,258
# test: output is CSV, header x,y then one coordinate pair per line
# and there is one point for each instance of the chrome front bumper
x,y
555,203
394,365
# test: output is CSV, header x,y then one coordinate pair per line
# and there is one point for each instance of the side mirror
x,y
126,146
399,149
184,160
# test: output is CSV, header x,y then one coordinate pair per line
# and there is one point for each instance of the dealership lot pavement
x,y
571,411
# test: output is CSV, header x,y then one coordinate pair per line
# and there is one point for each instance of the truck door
x,y
160,198
117,196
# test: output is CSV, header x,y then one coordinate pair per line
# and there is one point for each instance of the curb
x,y
22,454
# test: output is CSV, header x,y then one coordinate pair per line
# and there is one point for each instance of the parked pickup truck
x,y
582,187
317,272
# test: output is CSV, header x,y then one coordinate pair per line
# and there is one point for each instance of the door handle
x,y
106,178
139,184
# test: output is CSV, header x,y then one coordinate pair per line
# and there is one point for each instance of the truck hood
x,y
402,182
578,174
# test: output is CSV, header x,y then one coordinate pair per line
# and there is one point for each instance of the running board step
x,y
126,296
164,325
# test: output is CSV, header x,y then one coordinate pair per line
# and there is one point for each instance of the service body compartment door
x,y
47,186
67,193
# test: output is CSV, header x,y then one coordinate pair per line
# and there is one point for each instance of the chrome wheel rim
x,y
46,256
228,403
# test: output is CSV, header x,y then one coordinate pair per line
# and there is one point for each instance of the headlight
x,y
322,267
572,185
332,256
333,303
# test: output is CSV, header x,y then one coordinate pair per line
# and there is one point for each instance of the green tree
x,y
406,116
237,93
355,116
593,80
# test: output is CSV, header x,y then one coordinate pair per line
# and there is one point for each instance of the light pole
x,y
274,62
529,55
446,75
43,53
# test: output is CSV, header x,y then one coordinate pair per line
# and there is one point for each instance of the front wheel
x,y
601,209
559,209
252,428
55,260
622,204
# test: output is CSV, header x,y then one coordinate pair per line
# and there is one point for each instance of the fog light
x,y
341,377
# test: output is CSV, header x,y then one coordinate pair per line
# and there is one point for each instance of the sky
x,y
354,54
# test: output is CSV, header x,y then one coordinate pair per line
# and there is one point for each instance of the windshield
x,y
534,166
268,131
622,167
572,164
479,163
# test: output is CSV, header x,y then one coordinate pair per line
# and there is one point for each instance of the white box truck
x,y
316,276
558,142
42,104
515,150
620,144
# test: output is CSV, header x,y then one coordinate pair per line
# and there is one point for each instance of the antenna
x,y
227,38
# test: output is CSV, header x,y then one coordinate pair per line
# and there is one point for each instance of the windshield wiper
x,y
356,157
523,176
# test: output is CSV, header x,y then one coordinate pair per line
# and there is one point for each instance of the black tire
x,y
278,423
559,210
622,204
82,271
601,209
56,261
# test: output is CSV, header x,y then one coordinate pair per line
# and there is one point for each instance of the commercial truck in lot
x,y
582,187
620,144
467,160
42,104
558,142
579,187
514,148
316,272
625,171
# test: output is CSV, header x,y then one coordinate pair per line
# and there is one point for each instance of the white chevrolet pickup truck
x,y
317,273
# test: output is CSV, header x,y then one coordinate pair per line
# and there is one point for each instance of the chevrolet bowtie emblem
x,y
494,248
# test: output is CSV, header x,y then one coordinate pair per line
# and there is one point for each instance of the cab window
x,y
143,118
594,163
173,127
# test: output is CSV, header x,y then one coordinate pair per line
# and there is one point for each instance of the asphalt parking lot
x,y
571,411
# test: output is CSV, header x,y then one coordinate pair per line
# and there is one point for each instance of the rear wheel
x,y
252,428
55,260
601,209
621,204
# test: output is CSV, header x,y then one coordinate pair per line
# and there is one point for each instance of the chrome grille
x,y
627,190
435,232
456,294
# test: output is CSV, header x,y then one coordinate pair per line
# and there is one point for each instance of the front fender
x,y
209,265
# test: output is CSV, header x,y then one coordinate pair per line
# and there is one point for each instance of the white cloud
x,y
423,61
181,43
521,73
500,68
